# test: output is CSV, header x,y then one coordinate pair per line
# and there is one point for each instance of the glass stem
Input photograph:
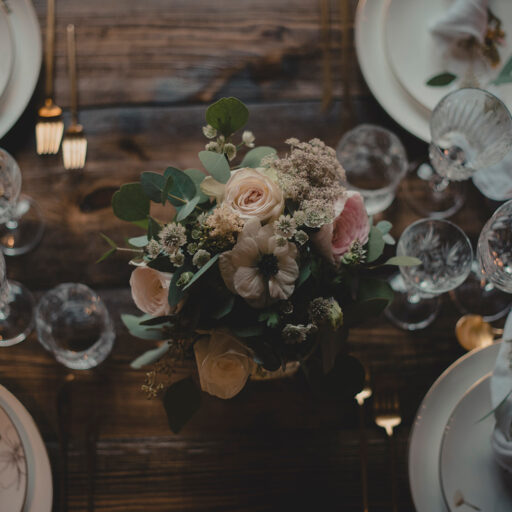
x,y
5,291
438,184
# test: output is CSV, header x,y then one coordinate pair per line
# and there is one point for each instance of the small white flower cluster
x,y
221,146
172,237
285,228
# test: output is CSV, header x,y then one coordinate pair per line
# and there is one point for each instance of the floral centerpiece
x,y
264,266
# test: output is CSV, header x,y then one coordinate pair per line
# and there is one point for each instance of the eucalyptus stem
x,y
184,201
127,249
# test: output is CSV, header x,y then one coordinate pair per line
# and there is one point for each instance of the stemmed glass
x,y
471,129
21,221
16,310
375,162
495,248
446,256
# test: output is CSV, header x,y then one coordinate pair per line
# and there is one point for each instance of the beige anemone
x,y
257,268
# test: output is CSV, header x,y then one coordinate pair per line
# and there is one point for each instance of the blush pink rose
x,y
150,289
350,224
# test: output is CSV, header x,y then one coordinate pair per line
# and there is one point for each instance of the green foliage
x,y
175,292
112,250
375,244
138,241
227,116
304,274
224,307
153,185
185,210
197,176
183,188
505,75
181,401
271,318
216,164
162,264
202,270
441,79
403,261
131,203
133,325
384,226
153,228
373,297
248,331
167,188
254,156
151,356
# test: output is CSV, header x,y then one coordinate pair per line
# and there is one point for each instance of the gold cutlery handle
x,y
363,446
50,47
72,72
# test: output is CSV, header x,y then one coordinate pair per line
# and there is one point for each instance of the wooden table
x,y
147,71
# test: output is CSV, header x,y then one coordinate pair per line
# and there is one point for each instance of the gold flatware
x,y
361,397
49,127
387,416
473,332
74,144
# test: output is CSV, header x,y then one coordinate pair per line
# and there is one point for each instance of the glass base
x,y
478,297
17,321
21,235
430,196
408,310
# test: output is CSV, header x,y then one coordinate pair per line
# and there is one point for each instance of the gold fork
x,y
74,145
49,128
387,416
361,397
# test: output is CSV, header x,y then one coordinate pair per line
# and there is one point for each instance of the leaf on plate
x,y
441,79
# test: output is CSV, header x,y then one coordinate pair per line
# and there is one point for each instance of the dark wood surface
x,y
147,70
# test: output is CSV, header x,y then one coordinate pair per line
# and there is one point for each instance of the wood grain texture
x,y
146,70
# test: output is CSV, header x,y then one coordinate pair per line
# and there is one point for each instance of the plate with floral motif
x,y
13,466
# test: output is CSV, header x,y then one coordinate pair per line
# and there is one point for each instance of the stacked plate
x,y
25,472
20,59
398,54
451,462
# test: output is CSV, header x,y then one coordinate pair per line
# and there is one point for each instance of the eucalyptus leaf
x,y
132,323
197,176
153,184
138,241
254,156
216,164
131,203
403,261
181,401
167,188
375,244
183,188
384,226
224,308
248,331
505,75
157,320
304,274
151,356
153,228
108,240
202,270
187,209
388,239
441,79
227,115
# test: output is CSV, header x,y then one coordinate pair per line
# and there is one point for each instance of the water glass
x,y
375,162
73,323
446,256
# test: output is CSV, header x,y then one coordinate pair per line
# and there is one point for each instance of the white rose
x,y
223,364
150,290
253,195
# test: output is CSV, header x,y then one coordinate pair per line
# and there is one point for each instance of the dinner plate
x,y
27,62
13,468
468,470
431,419
39,474
6,49
370,49
432,56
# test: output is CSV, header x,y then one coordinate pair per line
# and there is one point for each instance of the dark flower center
x,y
268,265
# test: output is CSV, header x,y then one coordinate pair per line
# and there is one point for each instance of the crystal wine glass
x,y
21,221
375,162
446,256
495,248
470,129
16,310
74,324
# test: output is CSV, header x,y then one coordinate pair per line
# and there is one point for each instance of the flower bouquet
x,y
262,266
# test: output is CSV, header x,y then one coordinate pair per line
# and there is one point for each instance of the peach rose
x,y
150,289
223,364
350,224
252,194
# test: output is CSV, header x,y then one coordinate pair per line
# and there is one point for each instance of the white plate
x,y
40,487
370,49
27,63
13,467
6,49
430,422
467,465
432,56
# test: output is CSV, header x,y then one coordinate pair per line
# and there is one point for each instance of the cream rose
x,y
150,289
223,364
253,195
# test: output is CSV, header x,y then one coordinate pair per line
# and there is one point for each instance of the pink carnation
x,y
351,223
